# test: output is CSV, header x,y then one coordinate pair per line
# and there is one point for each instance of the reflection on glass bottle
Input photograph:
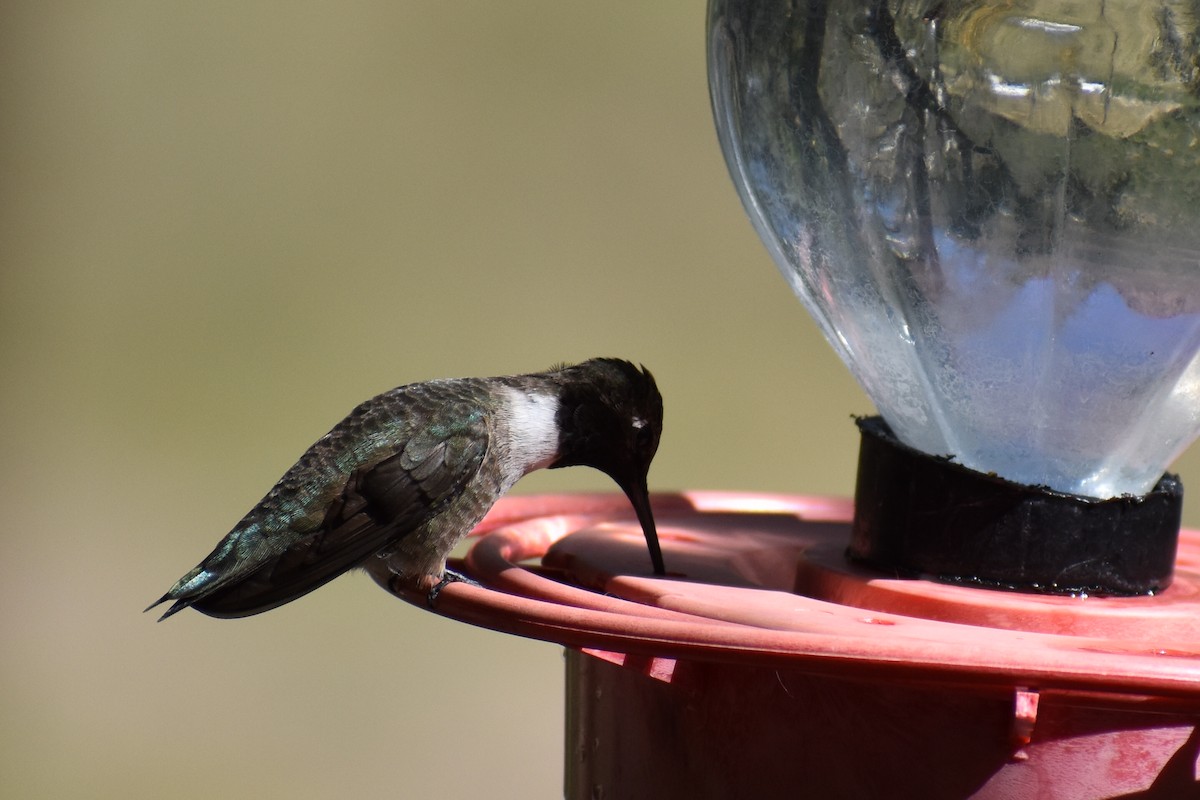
x,y
993,211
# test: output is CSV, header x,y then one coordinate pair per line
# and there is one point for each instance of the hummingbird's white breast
x,y
533,436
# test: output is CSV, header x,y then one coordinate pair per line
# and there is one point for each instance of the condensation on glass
x,y
993,212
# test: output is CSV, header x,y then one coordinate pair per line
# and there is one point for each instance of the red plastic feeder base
x,y
765,665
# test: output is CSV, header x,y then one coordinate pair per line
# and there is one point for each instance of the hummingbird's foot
x,y
449,576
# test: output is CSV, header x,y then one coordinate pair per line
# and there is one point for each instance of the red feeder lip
x,y
761,579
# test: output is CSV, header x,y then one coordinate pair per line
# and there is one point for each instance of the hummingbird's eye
x,y
644,437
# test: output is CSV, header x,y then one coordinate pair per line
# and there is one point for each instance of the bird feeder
x,y
991,210
767,664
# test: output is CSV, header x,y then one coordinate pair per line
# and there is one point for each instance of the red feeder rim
x,y
761,579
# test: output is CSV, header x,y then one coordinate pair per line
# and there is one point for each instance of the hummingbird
x,y
410,472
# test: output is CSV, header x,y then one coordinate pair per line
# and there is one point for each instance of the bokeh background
x,y
227,223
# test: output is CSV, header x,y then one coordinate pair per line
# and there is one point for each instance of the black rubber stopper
x,y
917,515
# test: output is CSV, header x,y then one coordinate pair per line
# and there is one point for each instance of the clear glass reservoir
x,y
993,212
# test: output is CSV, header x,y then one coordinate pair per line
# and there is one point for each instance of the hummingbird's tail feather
x,y
304,566
179,605
157,602
190,588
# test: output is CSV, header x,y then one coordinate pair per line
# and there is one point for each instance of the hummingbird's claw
x,y
448,577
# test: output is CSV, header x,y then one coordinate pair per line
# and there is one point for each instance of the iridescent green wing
x,y
378,505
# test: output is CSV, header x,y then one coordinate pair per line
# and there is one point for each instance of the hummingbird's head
x,y
610,418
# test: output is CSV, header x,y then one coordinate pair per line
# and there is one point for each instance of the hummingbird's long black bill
x,y
639,495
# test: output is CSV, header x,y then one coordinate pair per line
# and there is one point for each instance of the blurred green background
x,y
224,225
